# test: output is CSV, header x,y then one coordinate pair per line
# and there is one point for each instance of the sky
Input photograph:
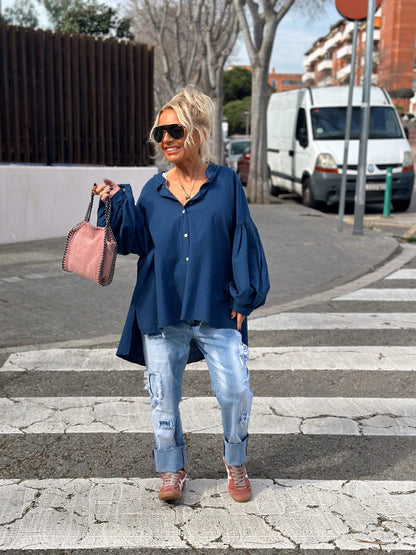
x,y
295,35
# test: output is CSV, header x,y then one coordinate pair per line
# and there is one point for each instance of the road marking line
x,y
336,320
389,295
369,358
201,415
409,274
12,279
110,513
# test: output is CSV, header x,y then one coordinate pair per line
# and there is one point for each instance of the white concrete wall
x,y
41,202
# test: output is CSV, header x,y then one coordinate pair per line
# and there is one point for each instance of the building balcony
x,y
324,65
376,35
332,42
313,56
326,82
345,51
308,76
349,28
343,72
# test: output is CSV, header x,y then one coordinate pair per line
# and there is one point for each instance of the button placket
x,y
185,234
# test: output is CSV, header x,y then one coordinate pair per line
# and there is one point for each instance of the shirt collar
x,y
209,172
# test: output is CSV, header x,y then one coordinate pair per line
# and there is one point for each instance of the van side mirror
x,y
406,132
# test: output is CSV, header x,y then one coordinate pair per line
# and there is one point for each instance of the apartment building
x,y
328,61
285,81
279,81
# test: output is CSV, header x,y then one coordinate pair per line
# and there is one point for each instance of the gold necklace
x,y
187,195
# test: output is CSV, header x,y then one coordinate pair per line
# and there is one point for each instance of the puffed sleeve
x,y
128,223
251,279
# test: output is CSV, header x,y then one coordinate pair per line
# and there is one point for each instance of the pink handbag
x,y
90,250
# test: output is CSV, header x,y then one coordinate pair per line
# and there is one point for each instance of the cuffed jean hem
x,y
170,460
235,453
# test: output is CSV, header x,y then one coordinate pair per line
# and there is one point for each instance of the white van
x,y
305,154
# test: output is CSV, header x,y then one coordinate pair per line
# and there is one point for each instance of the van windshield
x,y
329,123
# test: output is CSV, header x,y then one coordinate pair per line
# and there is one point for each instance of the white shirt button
x,y
187,258
183,211
185,235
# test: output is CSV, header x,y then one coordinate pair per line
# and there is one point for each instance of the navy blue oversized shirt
x,y
197,262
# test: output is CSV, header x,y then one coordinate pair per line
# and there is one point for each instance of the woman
x,y
201,271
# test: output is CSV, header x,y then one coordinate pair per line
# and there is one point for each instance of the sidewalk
x,y
43,306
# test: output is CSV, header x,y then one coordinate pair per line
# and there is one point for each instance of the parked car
x,y
234,148
243,166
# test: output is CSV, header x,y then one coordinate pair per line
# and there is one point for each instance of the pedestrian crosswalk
x,y
286,514
331,450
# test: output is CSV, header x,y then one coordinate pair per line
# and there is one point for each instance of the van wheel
x,y
273,189
401,205
307,195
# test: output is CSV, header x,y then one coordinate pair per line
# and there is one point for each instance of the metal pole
x,y
359,207
387,192
341,208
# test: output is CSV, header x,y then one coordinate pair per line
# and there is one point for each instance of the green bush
x,y
235,114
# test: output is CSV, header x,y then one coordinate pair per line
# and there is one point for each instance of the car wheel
x,y
401,205
307,195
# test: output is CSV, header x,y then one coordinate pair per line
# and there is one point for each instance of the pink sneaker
x,y
173,484
238,483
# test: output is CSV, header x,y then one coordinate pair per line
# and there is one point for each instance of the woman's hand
x,y
240,318
106,189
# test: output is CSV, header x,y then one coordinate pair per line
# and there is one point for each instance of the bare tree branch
x,y
193,39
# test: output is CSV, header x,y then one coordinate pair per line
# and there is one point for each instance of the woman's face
x,y
175,150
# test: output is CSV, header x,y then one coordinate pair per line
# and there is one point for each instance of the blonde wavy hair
x,y
194,111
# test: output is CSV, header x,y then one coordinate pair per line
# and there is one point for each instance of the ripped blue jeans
x,y
166,354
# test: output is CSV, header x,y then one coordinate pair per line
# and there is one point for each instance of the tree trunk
x,y
258,181
258,34
217,135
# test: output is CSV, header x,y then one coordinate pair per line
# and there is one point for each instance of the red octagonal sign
x,y
354,9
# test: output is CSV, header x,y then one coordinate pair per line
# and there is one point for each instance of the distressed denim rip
x,y
166,354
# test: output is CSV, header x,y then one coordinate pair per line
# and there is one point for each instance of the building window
x,y
289,83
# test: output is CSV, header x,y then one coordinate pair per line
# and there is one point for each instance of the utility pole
x,y
342,193
356,10
359,207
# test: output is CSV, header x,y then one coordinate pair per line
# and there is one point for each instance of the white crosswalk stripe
x,y
270,415
89,512
335,320
409,273
116,513
387,295
370,358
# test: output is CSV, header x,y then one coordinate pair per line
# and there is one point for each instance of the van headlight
x,y
407,161
326,163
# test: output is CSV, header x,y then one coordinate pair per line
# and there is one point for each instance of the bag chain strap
x,y
107,211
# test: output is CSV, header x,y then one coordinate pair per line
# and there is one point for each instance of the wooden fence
x,y
74,99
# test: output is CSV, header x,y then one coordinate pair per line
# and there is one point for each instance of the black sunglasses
x,y
175,130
